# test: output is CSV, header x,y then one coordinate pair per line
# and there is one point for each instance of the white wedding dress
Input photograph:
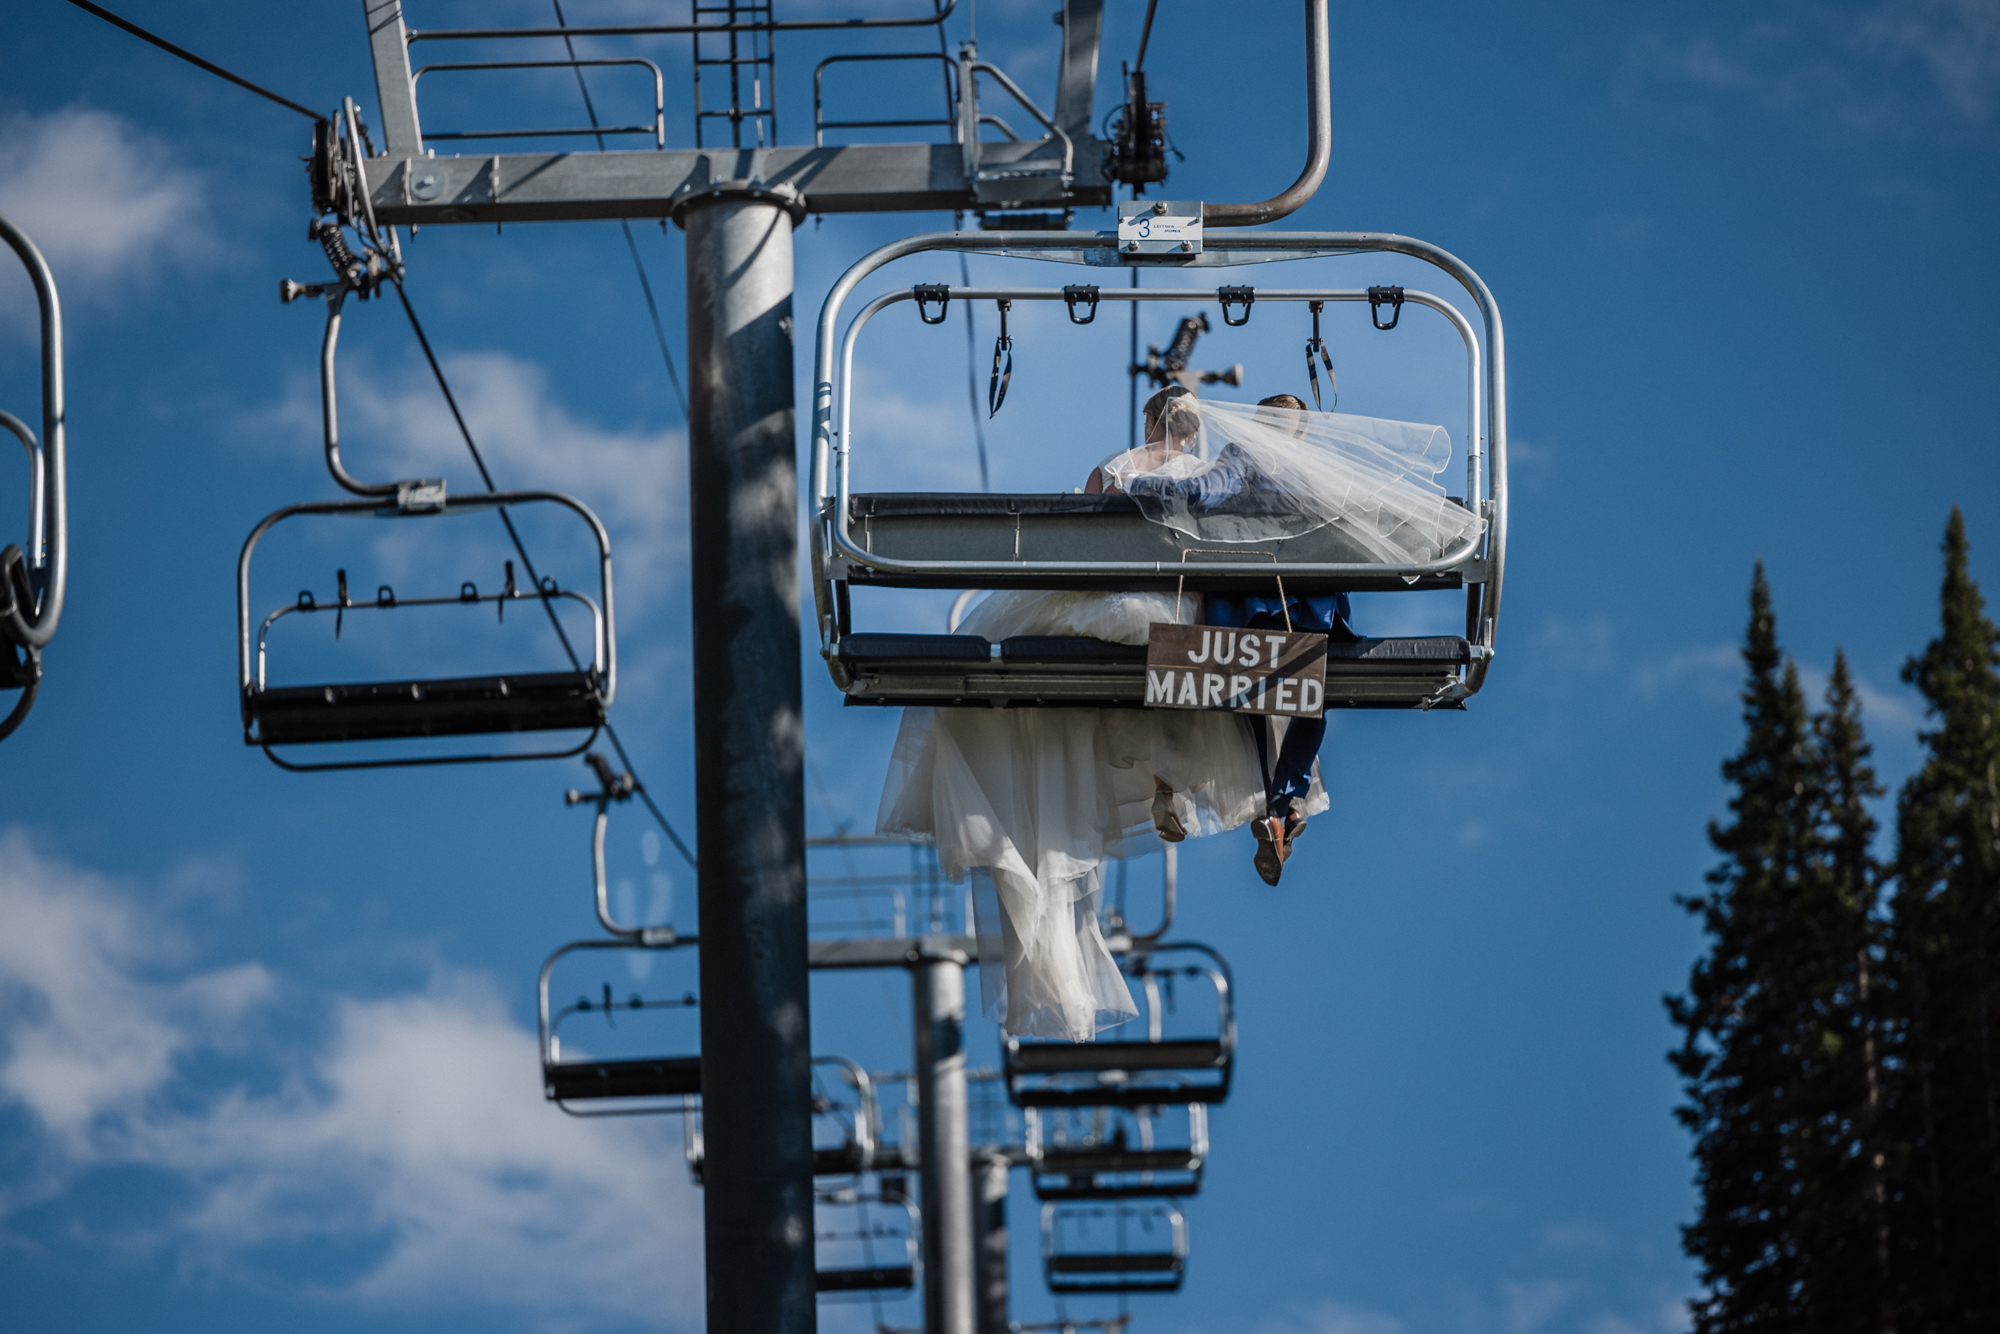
x,y
1033,802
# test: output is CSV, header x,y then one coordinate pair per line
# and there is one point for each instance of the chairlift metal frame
x,y
1154,1071
410,709
1087,1273
34,580
677,1078
1033,541
1060,1170
864,1124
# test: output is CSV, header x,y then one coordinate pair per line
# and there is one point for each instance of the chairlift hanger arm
x,y
33,627
1319,137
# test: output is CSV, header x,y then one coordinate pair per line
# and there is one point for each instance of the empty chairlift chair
x,y
1157,1070
1105,542
622,1084
1107,1153
1113,1248
865,1243
33,578
407,708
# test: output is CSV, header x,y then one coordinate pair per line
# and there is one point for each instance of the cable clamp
x,y
925,293
1086,293
1391,297
420,497
1236,296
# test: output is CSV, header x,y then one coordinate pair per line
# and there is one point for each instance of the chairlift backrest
x,y
34,578
1094,542
626,1085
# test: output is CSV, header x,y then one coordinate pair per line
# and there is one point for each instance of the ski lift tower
x,y
738,205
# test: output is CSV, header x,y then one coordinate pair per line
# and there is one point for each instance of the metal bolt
x,y
1131,245
1187,246
1160,206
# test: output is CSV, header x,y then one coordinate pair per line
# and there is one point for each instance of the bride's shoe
x,y
1165,818
1274,845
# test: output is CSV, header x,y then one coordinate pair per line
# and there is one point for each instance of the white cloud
x,y
1957,41
415,1133
1330,1317
103,201
1831,71
395,423
1531,1305
1711,671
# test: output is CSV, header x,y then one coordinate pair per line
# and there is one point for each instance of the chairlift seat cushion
x,y
389,710
1082,1057
666,1077
1103,1158
914,649
865,1280
1133,1262
1003,528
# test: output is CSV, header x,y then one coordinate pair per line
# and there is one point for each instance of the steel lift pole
x,y
938,980
990,1237
749,750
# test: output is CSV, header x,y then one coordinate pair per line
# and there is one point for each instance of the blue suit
x,y
1232,473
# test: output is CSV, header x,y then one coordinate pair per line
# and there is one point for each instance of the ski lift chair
x,y
618,1087
848,1257
1153,1071
33,579
1106,1153
1085,542
403,709
1091,1249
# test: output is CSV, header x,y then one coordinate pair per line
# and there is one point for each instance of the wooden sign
x,y
1239,671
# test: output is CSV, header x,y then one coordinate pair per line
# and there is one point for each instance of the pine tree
x,y
1843,1224
1945,944
1737,1061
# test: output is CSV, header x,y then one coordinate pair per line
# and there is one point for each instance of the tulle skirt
x,y
1033,802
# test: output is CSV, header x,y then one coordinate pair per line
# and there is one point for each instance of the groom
x,y
1286,784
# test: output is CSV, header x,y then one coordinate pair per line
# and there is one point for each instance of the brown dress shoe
x,y
1273,847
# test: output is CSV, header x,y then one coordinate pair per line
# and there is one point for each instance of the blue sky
x,y
266,1039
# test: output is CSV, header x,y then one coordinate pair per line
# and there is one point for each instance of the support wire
x,y
528,564
625,225
193,59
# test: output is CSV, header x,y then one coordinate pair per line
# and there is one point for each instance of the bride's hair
x,y
1173,415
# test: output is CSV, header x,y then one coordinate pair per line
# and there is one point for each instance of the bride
x,y
1035,801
